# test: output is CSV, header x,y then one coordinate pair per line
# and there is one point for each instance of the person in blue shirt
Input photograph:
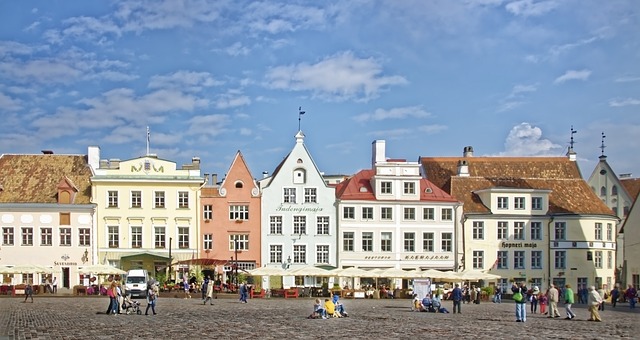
x,y
426,303
456,295
339,305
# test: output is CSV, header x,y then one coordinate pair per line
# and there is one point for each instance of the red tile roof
x,y
632,186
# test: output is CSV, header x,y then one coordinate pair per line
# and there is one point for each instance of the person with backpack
x,y
519,296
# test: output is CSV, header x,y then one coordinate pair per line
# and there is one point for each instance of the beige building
x,y
631,230
147,211
530,219
46,216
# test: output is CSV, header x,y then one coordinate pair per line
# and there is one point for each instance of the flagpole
x,y
148,140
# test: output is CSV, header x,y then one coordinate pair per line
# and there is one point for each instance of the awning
x,y
144,255
202,262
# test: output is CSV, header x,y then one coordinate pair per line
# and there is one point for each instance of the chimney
x,y
47,152
468,151
214,179
265,174
93,157
114,163
104,164
573,156
377,152
206,179
463,168
195,162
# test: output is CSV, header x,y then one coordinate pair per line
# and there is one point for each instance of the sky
x,y
211,77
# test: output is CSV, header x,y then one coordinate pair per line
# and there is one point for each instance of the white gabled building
x,y
391,217
298,215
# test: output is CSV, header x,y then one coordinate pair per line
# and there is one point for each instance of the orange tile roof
x,y
632,186
569,192
350,189
35,178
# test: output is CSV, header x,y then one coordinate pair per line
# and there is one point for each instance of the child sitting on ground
x,y
318,312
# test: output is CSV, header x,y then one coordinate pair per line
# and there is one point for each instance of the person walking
x,y
569,300
497,298
630,294
534,299
205,286
209,295
456,295
519,296
615,295
553,296
594,301
113,299
243,293
542,301
28,292
152,297
186,286
55,285
603,297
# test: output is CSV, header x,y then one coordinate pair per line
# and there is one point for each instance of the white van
x,y
136,283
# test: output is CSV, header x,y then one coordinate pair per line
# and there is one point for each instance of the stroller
x,y
131,307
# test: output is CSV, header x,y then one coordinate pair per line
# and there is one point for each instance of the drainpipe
x,y
549,255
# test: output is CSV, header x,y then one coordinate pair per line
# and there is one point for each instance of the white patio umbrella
x,y
398,273
353,272
310,271
474,275
101,269
269,271
437,274
25,269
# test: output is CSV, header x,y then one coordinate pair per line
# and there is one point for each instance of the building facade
x,y
530,219
147,211
298,215
46,217
389,216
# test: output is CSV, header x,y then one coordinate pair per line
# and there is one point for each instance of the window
x,y
299,253
46,236
536,203
478,259
447,214
322,225
289,195
239,212
427,214
65,218
310,196
183,199
299,225
367,241
518,230
160,237
136,237
275,253
609,259
409,188
207,212
112,199
503,259
598,259
183,237
609,231
478,230
582,283
427,242
385,187
207,242
560,230
242,240
386,213
114,236
322,253
536,230
560,259
367,213
7,236
409,214
385,241
65,236
518,259
503,230
598,231
536,259
159,199
518,203
503,202
603,191
409,242
348,213
447,241
27,236
614,190
84,235
136,199
347,241
275,225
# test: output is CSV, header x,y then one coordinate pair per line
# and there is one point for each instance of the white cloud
x,y
185,80
527,140
573,75
245,132
528,8
432,129
619,102
9,104
515,98
627,79
237,49
339,77
395,113
230,99
209,125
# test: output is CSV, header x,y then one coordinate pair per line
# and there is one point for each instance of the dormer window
x,y
239,184
299,176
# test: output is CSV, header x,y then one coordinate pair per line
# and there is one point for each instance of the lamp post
x,y
235,250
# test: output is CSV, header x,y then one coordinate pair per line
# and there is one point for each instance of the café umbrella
x,y
101,269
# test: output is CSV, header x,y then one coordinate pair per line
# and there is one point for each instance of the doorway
x,y
65,277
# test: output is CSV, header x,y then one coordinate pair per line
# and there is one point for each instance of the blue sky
x,y
508,77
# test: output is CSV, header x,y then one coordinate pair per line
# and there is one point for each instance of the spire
x,y
300,113
570,153
602,146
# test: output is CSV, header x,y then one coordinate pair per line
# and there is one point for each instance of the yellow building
x,y
531,219
147,211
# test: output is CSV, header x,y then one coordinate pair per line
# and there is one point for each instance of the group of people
x,y
430,303
331,308
117,298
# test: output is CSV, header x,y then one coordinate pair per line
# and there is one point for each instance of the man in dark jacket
x,y
456,295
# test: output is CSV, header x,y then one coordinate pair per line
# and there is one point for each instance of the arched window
x,y
603,191
64,197
614,190
239,184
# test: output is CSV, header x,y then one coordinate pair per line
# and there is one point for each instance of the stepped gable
x,y
570,194
36,178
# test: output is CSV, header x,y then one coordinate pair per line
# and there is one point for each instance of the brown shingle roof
x,y
569,192
35,178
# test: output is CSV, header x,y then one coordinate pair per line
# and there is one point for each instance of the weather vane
x,y
572,133
300,113
602,146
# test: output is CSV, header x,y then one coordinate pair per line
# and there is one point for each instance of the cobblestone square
x,y
85,318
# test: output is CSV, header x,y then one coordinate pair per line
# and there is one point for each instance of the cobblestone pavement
x,y
276,318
